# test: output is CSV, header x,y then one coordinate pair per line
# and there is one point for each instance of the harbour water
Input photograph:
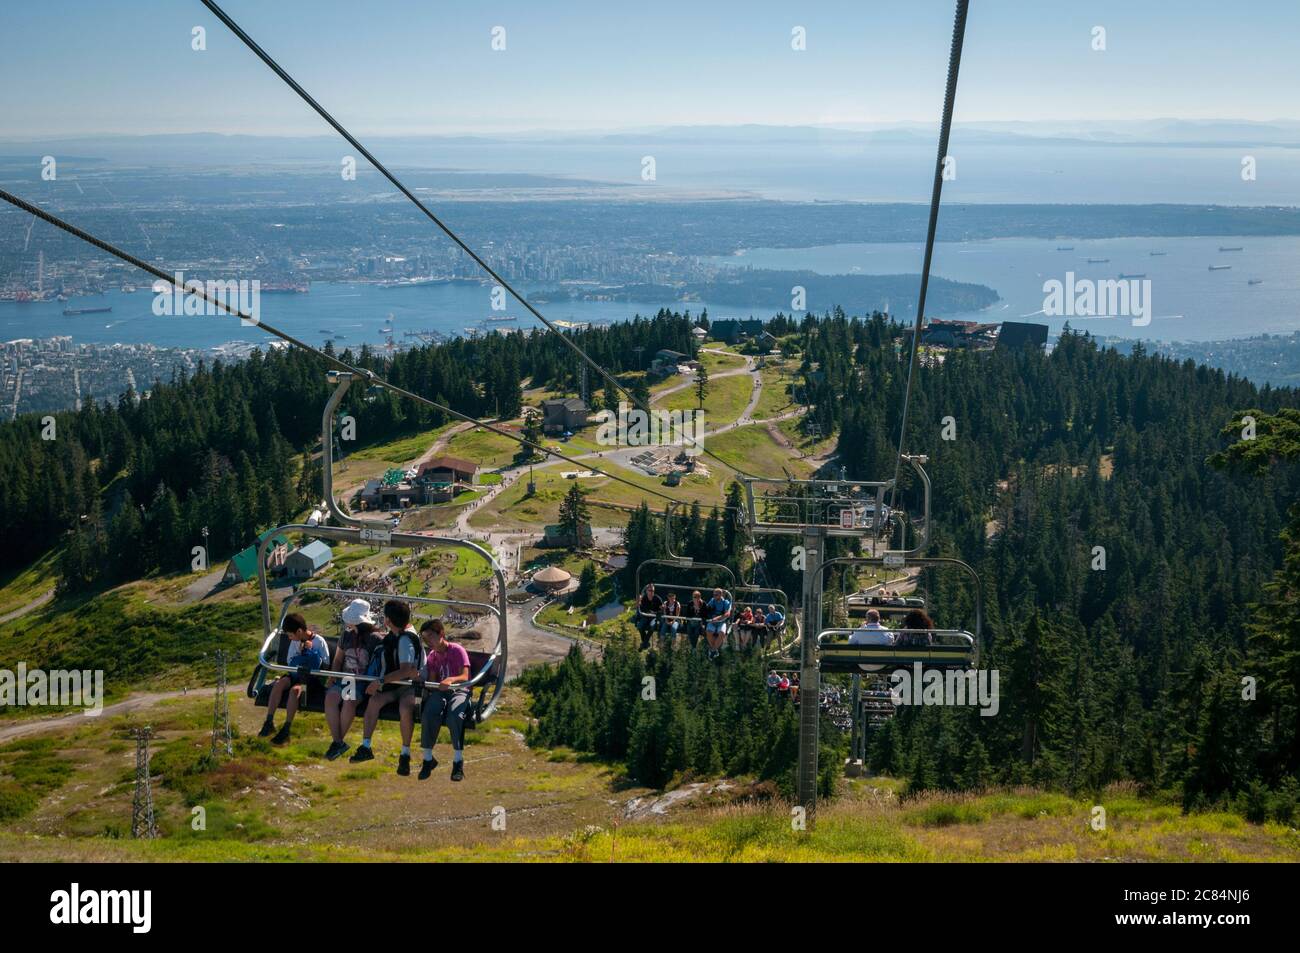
x,y
1259,294
1190,302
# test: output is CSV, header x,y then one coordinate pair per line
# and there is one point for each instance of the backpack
x,y
390,652
309,658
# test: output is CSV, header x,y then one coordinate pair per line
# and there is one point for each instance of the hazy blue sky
x,y
406,67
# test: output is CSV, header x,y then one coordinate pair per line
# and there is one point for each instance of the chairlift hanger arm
x,y
924,561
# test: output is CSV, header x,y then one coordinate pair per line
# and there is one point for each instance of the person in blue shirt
x,y
717,613
773,621
307,652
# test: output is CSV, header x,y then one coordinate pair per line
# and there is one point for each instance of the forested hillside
x,y
1120,568
129,486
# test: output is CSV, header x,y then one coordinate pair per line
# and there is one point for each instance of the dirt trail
x,y
38,726
30,607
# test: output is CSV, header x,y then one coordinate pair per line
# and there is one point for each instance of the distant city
x,y
48,374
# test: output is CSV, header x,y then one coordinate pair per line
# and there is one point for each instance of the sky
x,y
402,67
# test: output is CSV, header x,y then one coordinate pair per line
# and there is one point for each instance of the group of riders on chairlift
x,y
391,653
665,615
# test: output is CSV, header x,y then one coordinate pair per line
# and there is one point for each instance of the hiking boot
x,y
458,771
404,765
281,736
362,754
426,769
268,729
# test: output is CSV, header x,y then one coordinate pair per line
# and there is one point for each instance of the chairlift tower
x,y
143,824
817,511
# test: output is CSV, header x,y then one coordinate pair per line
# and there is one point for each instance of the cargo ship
x,y
70,312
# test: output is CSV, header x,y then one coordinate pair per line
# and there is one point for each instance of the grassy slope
x,y
753,446
489,450
726,399
142,640
511,508
290,804
19,589
775,398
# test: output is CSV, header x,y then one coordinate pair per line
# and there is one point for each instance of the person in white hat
x,y
356,646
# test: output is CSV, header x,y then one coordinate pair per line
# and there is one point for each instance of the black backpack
x,y
390,649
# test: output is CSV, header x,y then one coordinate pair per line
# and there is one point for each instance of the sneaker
x,y
426,769
268,729
362,754
281,736
404,765
458,771
334,750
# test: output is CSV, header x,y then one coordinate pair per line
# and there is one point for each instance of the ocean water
x,y
352,314
1189,302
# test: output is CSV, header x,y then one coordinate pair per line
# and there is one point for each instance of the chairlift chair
x,y
931,648
758,598
487,669
683,592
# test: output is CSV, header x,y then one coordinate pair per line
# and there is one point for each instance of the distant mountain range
x,y
214,148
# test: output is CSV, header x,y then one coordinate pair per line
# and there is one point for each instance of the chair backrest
x,y
476,662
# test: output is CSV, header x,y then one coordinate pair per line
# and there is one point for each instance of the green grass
x,y
22,587
402,449
792,428
580,443
775,398
135,643
726,399
486,448
752,447
29,770
721,362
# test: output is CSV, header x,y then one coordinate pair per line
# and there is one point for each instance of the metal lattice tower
x,y
143,824
221,711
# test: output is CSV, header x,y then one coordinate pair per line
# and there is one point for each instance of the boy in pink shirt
x,y
447,664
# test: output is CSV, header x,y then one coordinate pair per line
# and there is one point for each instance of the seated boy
x,y
307,652
447,664
399,656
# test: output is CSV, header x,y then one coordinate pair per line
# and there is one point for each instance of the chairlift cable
x,y
945,127
338,127
362,374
